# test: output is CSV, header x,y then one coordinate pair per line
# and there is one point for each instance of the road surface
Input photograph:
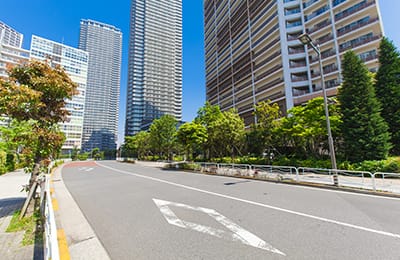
x,y
148,213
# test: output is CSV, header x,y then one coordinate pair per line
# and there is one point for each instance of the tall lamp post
x,y
305,39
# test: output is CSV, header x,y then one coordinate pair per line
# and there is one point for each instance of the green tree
x,y
388,89
37,92
192,136
137,145
365,133
228,134
207,116
261,136
96,154
163,136
304,130
13,138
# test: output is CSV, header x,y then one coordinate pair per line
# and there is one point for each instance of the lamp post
x,y
305,39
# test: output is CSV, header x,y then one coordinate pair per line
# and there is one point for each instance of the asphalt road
x,y
148,213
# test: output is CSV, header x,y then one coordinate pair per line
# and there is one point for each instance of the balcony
x,y
359,43
357,26
295,78
324,55
352,10
296,51
318,27
297,64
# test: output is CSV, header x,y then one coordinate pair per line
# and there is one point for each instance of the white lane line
x,y
394,235
238,233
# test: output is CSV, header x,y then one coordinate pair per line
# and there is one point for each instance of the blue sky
x,y
59,21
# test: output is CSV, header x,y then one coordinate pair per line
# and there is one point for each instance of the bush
x,y
10,162
3,159
83,156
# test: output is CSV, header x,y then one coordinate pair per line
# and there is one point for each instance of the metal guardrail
x,y
389,182
51,250
275,172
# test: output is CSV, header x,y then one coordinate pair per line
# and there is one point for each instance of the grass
x,y
27,224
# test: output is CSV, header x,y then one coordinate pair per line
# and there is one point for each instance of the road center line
x,y
258,204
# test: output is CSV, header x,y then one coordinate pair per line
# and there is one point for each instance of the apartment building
x,y
154,63
75,63
253,54
104,44
11,52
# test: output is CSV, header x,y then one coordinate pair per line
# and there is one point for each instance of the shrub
x,y
10,162
83,156
3,159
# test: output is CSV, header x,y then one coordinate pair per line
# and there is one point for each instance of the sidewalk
x,y
11,199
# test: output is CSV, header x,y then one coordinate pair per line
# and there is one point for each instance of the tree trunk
x,y
33,183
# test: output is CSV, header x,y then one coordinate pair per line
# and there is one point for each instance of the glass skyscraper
x,y
104,44
75,63
155,63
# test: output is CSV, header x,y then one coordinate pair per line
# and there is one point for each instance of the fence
x,y
380,181
51,243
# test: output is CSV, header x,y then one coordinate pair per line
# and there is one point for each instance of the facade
x,y
104,44
75,63
11,52
253,54
154,63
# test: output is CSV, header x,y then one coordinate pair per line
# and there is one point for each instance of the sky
x,y
58,20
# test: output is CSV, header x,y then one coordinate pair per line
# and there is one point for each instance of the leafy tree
x,y
192,136
207,116
388,89
96,154
304,130
74,153
37,92
163,135
228,134
137,145
365,133
13,138
262,134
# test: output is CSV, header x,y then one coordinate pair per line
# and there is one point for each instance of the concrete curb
x,y
82,241
304,184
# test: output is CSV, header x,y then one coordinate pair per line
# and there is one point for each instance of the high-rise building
x,y
104,44
75,63
155,63
10,36
253,54
11,52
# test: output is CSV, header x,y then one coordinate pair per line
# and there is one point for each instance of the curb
x,y
76,238
304,184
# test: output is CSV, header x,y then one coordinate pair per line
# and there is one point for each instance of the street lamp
x,y
305,39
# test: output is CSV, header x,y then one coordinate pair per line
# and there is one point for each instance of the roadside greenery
x,y
364,131
388,89
27,224
365,124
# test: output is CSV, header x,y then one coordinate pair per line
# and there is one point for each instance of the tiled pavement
x,y
11,199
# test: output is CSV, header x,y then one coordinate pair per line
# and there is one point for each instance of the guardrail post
x,y
297,175
373,182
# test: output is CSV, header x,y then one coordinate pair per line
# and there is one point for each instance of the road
x,y
148,213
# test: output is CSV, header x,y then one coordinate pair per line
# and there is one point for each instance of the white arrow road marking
x,y
238,233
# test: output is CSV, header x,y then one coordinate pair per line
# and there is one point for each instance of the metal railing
x,y
387,181
51,250
379,181
275,172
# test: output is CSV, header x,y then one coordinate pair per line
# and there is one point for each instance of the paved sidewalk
x,y
12,199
